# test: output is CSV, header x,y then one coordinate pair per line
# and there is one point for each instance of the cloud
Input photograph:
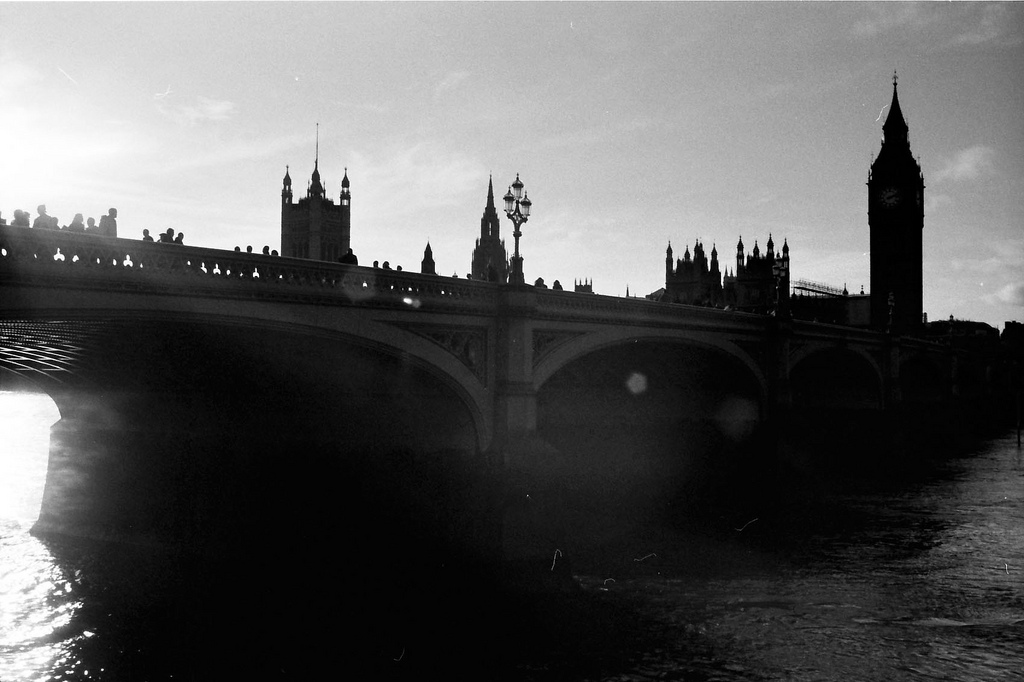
x,y
977,265
230,154
450,82
962,24
205,109
419,180
933,202
969,164
15,76
885,17
1012,294
991,25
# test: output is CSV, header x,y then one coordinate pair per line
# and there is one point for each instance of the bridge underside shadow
x,y
646,428
295,484
845,421
220,439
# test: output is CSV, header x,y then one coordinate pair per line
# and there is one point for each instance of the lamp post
x,y
892,306
517,208
780,270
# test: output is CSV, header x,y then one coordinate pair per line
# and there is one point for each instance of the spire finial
x,y
894,78
490,192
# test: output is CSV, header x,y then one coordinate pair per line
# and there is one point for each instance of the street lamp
x,y
517,208
780,270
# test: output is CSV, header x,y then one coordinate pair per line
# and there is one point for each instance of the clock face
x,y
890,196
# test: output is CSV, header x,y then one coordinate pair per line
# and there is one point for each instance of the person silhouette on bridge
x,y
20,218
180,238
145,236
108,223
90,226
167,237
349,258
77,224
43,221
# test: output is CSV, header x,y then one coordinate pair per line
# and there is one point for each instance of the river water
x,y
915,578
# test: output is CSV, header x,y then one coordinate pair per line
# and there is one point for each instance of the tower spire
x,y
895,127
316,189
490,261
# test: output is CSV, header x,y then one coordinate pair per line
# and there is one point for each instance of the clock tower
x,y
896,223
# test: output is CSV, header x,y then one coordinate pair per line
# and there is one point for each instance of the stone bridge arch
x,y
645,420
180,427
838,397
586,343
90,357
836,376
432,349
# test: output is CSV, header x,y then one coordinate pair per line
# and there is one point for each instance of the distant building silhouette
x,y
490,260
760,283
896,224
756,284
315,227
693,279
820,302
427,264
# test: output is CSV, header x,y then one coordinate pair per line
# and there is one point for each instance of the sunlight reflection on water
x,y
37,601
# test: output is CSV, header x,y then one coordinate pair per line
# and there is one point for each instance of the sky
x,y
630,124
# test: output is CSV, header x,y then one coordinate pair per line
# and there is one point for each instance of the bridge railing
x,y
34,254
566,305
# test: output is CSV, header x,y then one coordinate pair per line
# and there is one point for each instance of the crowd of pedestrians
x,y
107,226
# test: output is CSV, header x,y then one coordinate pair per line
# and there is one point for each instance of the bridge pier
x,y
516,399
532,513
144,468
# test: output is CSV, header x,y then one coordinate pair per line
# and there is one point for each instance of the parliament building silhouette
x,y
315,227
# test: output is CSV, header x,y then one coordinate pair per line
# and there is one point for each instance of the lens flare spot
x,y
737,417
636,383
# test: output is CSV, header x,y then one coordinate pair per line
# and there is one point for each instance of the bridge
x,y
190,380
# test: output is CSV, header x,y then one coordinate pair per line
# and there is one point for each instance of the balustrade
x,y
32,253
78,258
